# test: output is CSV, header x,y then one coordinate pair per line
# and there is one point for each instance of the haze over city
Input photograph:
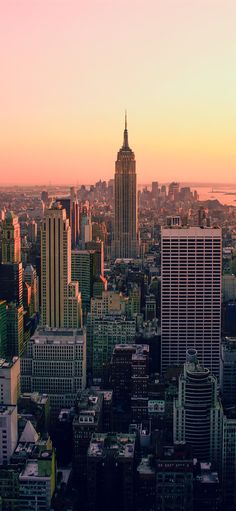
x,y
71,68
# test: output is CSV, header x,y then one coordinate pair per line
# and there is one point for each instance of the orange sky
x,y
69,68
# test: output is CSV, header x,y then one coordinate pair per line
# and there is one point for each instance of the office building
x,y
15,330
32,228
206,489
55,363
229,287
30,278
3,329
198,411
129,379
99,285
8,431
107,411
110,302
229,459
83,270
55,265
56,270
88,420
173,190
174,478
35,407
85,225
11,282
125,242
228,370
9,487
74,218
110,462
146,485
103,334
9,381
191,295
229,319
70,204
98,247
37,483
11,242
155,189
73,306
150,307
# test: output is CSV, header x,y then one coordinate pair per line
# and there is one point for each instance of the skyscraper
x,y
30,278
11,244
55,265
11,267
11,286
125,242
191,294
198,411
57,291
85,224
3,328
83,269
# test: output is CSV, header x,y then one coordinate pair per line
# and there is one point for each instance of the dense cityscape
x,y
117,347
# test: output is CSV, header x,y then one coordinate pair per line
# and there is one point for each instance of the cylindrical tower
x,y
197,409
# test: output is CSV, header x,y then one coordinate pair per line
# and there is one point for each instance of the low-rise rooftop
x,y
118,445
6,409
58,336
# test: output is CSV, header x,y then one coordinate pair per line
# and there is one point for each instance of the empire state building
x,y
125,242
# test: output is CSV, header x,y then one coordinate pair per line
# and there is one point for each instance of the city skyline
x,y
117,255
68,73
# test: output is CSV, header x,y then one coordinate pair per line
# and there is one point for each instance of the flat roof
x,y
32,469
58,336
7,409
120,445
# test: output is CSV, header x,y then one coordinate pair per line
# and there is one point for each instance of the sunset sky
x,y
69,69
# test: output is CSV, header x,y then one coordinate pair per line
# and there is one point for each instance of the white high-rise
x,y
191,294
55,364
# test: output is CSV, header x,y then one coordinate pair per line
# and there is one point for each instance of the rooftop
x,y
29,434
7,364
229,343
190,231
33,469
56,336
137,349
40,399
145,467
207,476
88,406
119,445
7,409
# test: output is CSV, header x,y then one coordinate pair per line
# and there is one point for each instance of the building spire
x,y
125,143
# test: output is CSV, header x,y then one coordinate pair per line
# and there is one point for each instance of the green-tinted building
x,y
3,329
15,330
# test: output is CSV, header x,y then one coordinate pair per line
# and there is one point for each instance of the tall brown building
x,y
125,241
60,296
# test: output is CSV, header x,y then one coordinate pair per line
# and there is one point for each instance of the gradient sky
x,y
69,68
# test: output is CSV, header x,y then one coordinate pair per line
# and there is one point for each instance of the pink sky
x,y
69,68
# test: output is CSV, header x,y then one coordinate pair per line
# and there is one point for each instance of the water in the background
x,y
224,193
